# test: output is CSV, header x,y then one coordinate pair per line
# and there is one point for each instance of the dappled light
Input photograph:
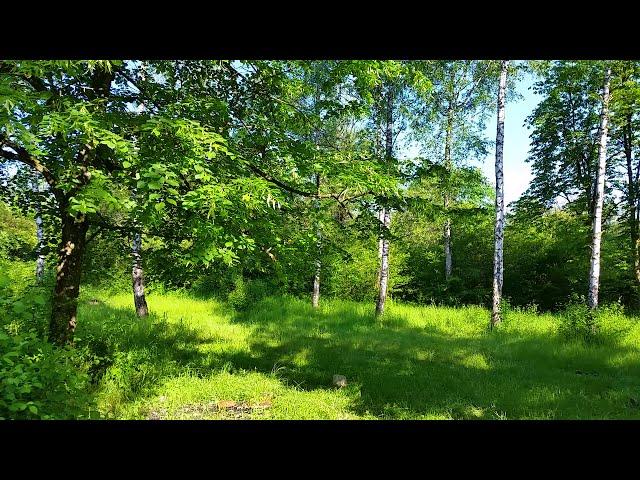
x,y
319,239
419,362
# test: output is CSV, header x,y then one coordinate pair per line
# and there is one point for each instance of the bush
x,y
247,293
259,289
17,234
579,322
39,380
131,373
215,283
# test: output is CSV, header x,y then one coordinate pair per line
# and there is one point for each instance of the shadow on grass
x,y
401,371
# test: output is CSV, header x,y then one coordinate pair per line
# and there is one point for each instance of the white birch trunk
x,y
448,257
384,266
137,276
386,214
39,248
137,273
498,263
380,246
40,260
315,296
315,299
448,260
594,271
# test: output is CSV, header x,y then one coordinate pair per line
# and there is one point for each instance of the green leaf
x,y
39,299
19,307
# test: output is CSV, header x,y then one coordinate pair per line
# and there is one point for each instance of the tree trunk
x,y
68,272
448,260
594,271
39,236
632,198
64,306
315,296
379,152
137,276
384,266
498,264
40,259
137,273
380,246
386,213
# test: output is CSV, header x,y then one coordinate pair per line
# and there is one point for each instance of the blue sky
x,y
517,173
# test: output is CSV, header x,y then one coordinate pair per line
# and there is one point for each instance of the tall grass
x,y
198,358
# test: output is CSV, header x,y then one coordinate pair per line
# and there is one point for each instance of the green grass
x,y
276,361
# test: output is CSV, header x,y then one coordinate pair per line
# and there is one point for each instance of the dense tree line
x,y
287,177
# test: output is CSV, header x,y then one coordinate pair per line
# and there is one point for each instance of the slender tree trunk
x,y
380,247
379,152
594,271
40,237
384,266
448,260
68,272
386,214
137,276
40,258
315,297
137,273
498,264
632,198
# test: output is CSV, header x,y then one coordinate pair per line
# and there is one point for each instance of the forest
x,y
316,239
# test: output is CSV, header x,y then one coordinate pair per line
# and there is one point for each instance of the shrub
x,y
216,283
131,372
579,322
247,292
258,289
39,380
17,234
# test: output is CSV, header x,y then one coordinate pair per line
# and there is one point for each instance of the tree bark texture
x,y
386,213
68,271
498,263
594,270
448,258
137,276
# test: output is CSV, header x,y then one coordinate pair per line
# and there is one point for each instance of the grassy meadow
x,y
197,358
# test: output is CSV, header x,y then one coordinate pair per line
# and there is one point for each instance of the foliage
x,y
242,177
579,322
41,381
247,293
37,380
17,235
